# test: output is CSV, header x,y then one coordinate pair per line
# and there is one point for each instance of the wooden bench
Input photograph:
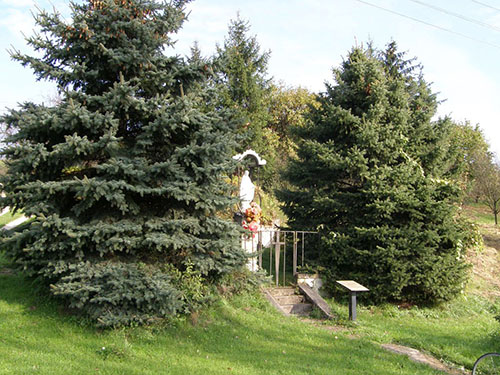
x,y
353,287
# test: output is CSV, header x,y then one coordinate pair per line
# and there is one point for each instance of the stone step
x,y
290,300
297,308
282,291
297,301
314,297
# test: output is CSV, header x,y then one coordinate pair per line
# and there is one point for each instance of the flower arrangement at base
x,y
252,217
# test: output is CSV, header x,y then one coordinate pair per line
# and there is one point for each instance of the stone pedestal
x,y
249,244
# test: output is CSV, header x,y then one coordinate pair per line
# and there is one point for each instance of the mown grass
x,y
241,336
457,332
8,217
244,335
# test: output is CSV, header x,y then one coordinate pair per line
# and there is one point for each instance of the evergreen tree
x,y
241,77
429,142
385,221
124,176
242,70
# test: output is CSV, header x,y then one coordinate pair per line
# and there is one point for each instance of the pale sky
x,y
456,41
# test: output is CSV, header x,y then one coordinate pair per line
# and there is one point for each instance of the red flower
x,y
253,226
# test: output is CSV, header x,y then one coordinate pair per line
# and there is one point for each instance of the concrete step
x,y
314,297
297,308
282,291
290,300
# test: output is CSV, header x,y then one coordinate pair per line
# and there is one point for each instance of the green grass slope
x,y
245,335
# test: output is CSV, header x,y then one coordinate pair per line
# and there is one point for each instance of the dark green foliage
x,y
376,190
128,167
116,293
243,86
426,140
241,75
192,286
242,281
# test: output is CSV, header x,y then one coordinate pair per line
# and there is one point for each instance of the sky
x,y
456,41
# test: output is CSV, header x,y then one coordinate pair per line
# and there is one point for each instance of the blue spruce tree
x,y
124,177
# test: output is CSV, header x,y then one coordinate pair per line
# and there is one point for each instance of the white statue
x,y
247,191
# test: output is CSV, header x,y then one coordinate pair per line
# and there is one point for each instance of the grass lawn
x,y
241,336
8,217
458,332
479,213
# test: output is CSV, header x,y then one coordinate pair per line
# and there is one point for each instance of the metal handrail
x,y
277,237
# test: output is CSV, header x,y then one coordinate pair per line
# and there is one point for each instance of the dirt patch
x,y
491,235
418,356
485,266
492,239
486,263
